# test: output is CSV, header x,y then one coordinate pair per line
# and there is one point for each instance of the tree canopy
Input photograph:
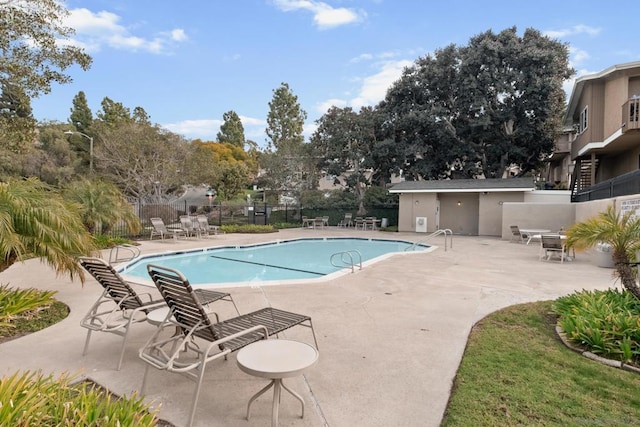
x,y
33,54
231,130
144,161
288,162
344,143
473,111
285,120
81,116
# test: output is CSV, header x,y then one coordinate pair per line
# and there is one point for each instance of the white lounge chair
x,y
199,339
119,306
205,228
160,229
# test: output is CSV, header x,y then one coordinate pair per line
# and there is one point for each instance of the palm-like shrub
x,y
36,221
32,399
14,302
622,232
102,205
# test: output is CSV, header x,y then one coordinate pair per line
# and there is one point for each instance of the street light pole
x,y
90,138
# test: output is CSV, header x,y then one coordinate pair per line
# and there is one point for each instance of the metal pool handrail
x,y
347,262
436,233
131,252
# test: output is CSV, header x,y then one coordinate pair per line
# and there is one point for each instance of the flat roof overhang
x,y
465,190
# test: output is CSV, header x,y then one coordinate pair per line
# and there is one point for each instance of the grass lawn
x,y
516,371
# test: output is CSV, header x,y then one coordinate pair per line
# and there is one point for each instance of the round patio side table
x,y
276,359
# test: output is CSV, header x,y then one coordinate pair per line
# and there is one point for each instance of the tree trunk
x,y
627,276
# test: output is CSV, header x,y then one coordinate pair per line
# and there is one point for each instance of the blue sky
x,y
188,62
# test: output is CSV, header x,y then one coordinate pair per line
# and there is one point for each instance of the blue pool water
x,y
299,259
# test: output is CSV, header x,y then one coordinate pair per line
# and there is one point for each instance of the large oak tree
x,y
473,111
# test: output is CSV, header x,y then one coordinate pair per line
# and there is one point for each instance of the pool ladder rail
x,y
446,231
123,253
346,258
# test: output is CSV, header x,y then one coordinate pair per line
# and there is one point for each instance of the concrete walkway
x,y
391,336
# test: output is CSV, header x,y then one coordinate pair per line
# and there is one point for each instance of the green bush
x,y
603,322
104,242
283,225
31,399
247,228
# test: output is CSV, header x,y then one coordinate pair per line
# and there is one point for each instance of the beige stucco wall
x,y
490,212
413,205
548,196
548,216
586,210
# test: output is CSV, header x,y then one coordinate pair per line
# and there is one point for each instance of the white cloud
x,y
95,30
207,129
578,56
374,87
572,31
203,129
251,121
324,106
309,129
362,57
324,15
178,35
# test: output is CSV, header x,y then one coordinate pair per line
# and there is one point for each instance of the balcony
x,y
631,115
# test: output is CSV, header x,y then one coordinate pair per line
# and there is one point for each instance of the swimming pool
x,y
271,263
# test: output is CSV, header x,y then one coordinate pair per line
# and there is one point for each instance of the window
x,y
582,125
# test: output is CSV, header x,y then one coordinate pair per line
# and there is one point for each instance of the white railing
x,y
346,258
446,232
130,252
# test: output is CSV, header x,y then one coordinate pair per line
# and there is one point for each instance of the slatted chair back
x,y
114,285
183,302
205,228
552,242
515,233
158,224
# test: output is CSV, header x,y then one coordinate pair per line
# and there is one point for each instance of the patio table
x,y
276,359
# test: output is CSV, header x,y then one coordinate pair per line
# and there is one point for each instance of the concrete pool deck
x,y
390,336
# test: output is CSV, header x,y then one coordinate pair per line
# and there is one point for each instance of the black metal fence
x,y
238,214
623,185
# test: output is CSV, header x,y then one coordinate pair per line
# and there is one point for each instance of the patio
x,y
390,336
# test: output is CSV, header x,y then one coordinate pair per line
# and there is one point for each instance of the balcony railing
x,y
623,185
631,115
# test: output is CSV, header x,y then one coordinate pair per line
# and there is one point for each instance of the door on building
x,y
460,212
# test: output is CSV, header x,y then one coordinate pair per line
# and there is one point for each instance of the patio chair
x,y
516,234
370,223
551,244
201,340
205,228
307,222
188,226
347,221
160,229
119,306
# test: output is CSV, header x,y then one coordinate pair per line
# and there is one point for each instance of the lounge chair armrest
x,y
146,295
252,329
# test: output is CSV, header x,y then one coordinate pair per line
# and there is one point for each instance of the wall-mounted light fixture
x,y
459,203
